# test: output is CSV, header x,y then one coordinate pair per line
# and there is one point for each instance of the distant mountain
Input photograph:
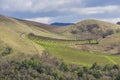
x,y
62,24
118,23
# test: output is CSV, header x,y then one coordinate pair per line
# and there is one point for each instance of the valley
x,y
63,50
76,44
86,50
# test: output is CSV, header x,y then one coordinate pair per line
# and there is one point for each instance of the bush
x,y
31,63
115,66
80,73
64,67
95,66
118,76
44,68
107,67
97,74
7,51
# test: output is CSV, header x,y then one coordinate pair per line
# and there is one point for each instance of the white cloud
x,y
95,10
48,20
41,19
63,6
112,20
13,5
64,10
35,5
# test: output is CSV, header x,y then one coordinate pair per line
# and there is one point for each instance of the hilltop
x,y
105,34
92,27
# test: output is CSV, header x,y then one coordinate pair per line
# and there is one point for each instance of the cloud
x,y
41,19
94,10
99,10
47,11
112,20
58,6
14,5
49,20
35,5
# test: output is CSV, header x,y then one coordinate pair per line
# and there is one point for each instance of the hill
x,y
96,28
31,50
61,24
79,39
104,34
51,28
118,23
13,37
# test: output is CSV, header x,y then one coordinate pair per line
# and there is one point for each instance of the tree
x,y
97,74
95,66
7,51
89,37
64,67
80,73
115,66
118,76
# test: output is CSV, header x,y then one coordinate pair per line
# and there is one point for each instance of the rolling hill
x,y
64,42
106,33
51,28
13,35
31,50
92,27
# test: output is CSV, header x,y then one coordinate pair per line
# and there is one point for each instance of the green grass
x,y
76,56
13,34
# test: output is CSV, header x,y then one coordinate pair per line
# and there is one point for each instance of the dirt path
x,y
23,36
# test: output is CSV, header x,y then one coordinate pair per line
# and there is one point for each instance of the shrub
x,y
7,51
80,73
107,67
44,68
64,67
95,66
97,74
31,63
118,76
115,66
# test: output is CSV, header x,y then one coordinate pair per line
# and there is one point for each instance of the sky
x,y
67,11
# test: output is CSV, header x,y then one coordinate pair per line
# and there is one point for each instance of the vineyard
x,y
62,50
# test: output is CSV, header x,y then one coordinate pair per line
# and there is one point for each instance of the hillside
x,y
51,28
88,35
31,50
94,28
13,37
105,34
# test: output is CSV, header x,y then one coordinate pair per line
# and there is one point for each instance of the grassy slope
x,y
76,56
104,26
72,55
108,45
13,34
47,30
